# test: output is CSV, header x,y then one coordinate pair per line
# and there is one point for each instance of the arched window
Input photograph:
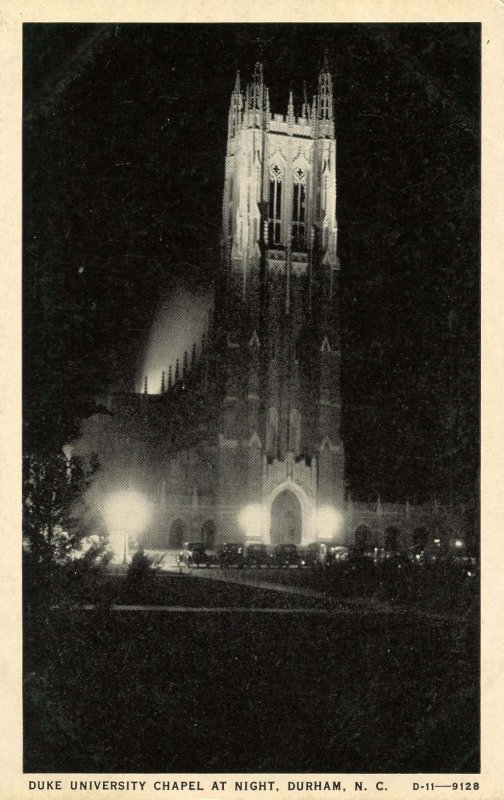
x,y
362,538
177,533
272,432
391,539
275,206
299,211
208,533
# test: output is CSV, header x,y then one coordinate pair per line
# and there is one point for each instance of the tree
x,y
64,541
140,577
58,524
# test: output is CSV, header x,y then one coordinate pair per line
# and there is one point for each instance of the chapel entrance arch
x,y
286,519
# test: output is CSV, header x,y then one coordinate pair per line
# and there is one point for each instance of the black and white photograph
x,y
251,400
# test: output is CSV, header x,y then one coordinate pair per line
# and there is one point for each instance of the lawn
x,y
156,692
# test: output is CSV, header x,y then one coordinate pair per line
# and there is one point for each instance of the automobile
x,y
323,554
257,555
231,554
336,553
194,554
287,555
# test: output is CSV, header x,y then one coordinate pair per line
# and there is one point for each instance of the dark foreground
x,y
109,691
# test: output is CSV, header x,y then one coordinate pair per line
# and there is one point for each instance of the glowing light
x,y
126,513
179,323
459,543
328,522
254,519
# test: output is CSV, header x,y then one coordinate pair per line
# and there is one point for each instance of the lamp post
x,y
254,520
328,522
126,512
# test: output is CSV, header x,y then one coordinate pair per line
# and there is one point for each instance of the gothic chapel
x,y
244,439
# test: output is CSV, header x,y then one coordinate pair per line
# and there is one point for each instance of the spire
x,y
170,381
325,91
258,73
163,384
203,342
146,385
193,355
177,370
257,94
305,110
267,107
290,109
186,359
235,108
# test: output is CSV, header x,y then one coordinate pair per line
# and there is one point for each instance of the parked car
x,y
287,555
231,554
194,554
320,555
257,555
336,553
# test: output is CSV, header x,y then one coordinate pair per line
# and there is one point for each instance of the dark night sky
x,y
124,143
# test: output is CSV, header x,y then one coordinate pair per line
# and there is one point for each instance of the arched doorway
x,y
286,519
362,538
392,539
177,533
208,533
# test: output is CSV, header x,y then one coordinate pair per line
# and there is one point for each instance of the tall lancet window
x,y
299,211
275,206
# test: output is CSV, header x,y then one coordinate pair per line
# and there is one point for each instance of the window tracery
x,y
275,206
299,210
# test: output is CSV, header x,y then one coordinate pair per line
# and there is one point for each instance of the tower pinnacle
x,y
305,110
257,88
290,108
325,91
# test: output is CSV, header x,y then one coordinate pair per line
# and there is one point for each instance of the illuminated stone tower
x,y
243,441
280,454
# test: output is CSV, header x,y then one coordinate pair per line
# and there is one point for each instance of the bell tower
x,y
280,421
